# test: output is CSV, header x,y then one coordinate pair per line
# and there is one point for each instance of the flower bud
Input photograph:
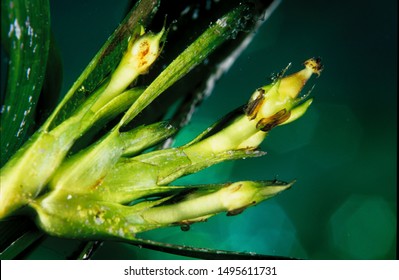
x,y
277,103
208,201
140,55
66,214
269,106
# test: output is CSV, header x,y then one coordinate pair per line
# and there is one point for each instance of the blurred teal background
x,y
343,152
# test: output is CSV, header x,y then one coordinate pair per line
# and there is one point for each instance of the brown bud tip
x,y
315,65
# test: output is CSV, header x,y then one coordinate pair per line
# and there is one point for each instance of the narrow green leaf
x,y
28,44
16,235
21,244
88,250
25,37
225,28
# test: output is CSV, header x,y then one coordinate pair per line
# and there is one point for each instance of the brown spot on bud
x,y
253,106
239,210
266,124
97,183
144,50
235,212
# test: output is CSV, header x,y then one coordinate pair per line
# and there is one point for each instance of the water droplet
x,y
121,232
19,131
221,22
17,29
98,220
185,227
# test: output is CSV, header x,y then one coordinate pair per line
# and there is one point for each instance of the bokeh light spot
x,y
363,227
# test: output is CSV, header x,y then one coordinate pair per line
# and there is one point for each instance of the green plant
x,y
78,180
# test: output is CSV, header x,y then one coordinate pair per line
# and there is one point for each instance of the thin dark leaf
x,y
203,253
16,236
88,250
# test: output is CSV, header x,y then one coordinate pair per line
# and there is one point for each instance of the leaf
x,y
203,253
27,41
187,251
88,250
16,236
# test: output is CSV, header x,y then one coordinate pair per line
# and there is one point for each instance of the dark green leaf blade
x,y
204,253
17,235
28,44
25,38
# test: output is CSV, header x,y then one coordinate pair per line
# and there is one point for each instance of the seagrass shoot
x,y
121,183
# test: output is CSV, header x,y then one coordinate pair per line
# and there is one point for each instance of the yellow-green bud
x,y
140,55
276,104
269,106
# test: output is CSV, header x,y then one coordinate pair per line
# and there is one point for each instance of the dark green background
x,y
342,152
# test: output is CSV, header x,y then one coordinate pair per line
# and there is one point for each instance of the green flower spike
x,y
103,192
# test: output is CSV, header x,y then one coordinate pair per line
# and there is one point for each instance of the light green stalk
x,y
84,218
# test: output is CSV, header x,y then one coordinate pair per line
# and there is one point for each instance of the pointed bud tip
x,y
315,65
